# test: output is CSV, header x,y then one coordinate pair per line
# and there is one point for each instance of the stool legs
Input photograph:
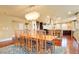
x,y
16,41
37,45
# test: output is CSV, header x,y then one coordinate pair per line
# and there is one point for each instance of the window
x,y
64,27
21,26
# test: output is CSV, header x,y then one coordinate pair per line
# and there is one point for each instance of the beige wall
x,y
7,26
70,26
76,33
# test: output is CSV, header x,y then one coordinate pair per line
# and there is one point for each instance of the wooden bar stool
x,y
26,39
37,42
29,42
45,43
42,43
16,39
22,39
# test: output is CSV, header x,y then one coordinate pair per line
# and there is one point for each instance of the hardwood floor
x,y
6,43
72,46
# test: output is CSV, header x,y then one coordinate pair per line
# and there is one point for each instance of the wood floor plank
x,y
6,43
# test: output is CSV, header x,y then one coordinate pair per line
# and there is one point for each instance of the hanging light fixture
x,y
32,15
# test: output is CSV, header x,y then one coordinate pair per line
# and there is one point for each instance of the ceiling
x,y
15,10
19,11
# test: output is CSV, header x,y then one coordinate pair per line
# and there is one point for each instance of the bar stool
x,y
41,41
16,39
28,42
37,42
22,39
34,41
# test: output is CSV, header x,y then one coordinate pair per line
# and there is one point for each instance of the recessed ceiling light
x,y
69,13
